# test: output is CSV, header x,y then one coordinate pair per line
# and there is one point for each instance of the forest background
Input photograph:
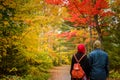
x,y
36,35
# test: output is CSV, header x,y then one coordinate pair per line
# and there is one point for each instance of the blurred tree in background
x,y
112,42
11,29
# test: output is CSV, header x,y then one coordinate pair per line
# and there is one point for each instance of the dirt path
x,y
60,73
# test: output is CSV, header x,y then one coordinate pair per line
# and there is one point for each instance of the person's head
x,y
81,48
97,44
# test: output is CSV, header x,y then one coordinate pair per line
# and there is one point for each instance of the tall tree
x,y
112,41
11,29
87,13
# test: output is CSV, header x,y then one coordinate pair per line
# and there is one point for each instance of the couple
x,y
95,65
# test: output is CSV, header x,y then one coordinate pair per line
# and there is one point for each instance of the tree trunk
x,y
98,28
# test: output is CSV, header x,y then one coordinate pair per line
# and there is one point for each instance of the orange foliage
x,y
109,13
105,33
56,2
101,4
28,21
87,40
82,12
68,35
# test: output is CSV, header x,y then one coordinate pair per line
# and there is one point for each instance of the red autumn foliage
x,y
101,4
82,12
64,34
68,35
108,13
56,2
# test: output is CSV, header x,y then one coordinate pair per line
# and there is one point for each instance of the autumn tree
x,y
86,13
11,28
28,29
112,41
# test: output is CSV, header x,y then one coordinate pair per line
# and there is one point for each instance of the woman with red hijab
x,y
84,61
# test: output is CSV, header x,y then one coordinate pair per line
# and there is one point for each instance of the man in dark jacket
x,y
84,62
99,63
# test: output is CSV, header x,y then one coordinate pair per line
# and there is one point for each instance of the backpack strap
x,y
79,59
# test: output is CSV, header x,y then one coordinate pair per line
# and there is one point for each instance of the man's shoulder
x,y
97,51
92,52
104,52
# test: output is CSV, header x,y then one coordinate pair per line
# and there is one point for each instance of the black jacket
x,y
84,64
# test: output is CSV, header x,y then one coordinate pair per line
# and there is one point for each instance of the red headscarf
x,y
81,48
